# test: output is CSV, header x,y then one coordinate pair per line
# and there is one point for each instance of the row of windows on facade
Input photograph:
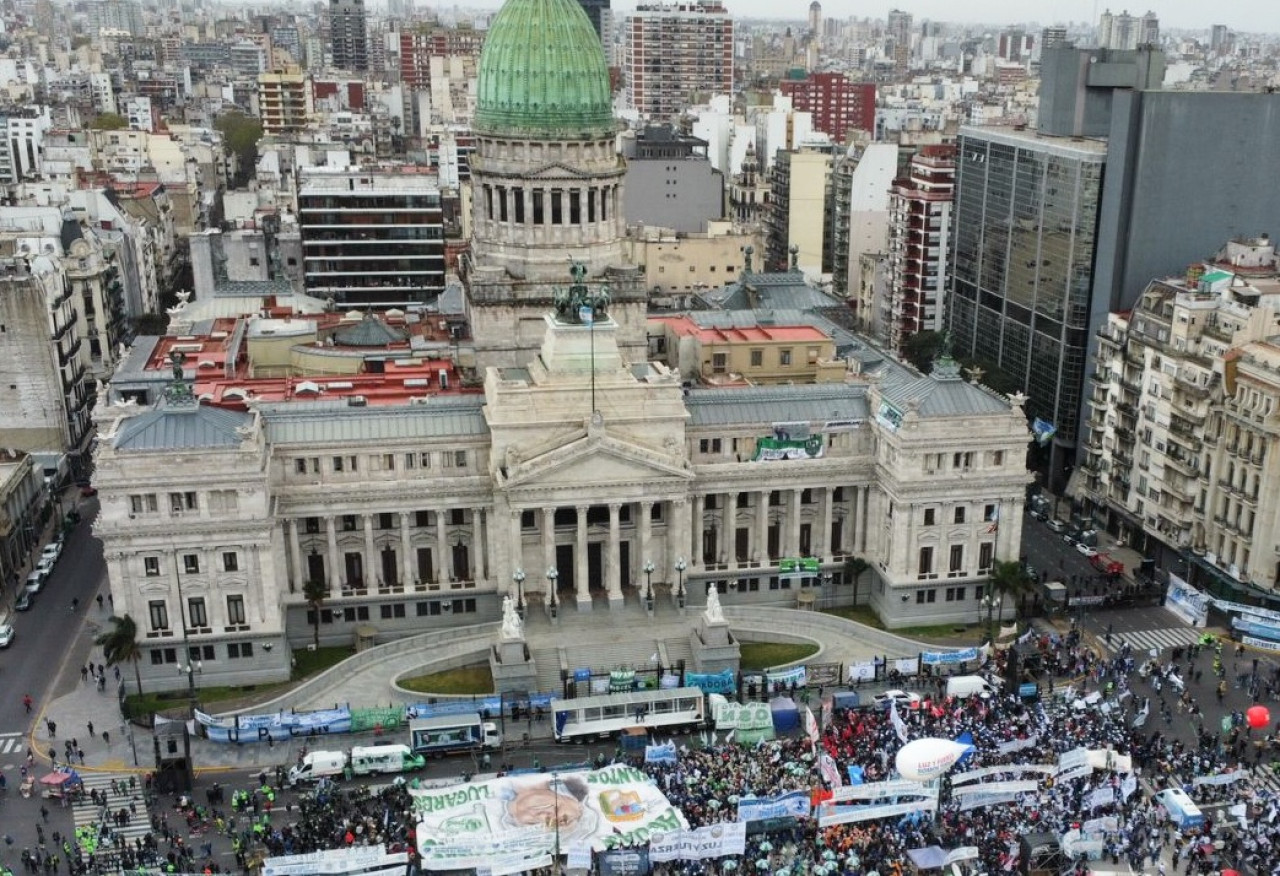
x,y
961,461
197,617
728,269
955,561
203,653
381,462
959,514
951,594
183,502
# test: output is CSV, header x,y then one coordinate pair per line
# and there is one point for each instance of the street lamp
x,y
518,576
648,585
681,565
191,669
552,575
989,603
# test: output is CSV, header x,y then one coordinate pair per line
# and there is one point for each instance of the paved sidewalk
x,y
114,745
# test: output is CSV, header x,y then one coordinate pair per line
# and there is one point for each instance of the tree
x,y
1008,578
120,645
240,136
109,122
315,593
921,349
853,569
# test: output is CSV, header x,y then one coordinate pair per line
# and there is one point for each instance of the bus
x,y
585,718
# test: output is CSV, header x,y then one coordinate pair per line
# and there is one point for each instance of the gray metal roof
x,y
945,397
337,422
819,402
185,427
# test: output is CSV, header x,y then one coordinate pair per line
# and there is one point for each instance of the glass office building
x,y
1024,226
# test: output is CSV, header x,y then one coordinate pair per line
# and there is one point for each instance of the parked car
x,y
1056,525
45,564
52,551
6,632
904,699
1086,550
35,580
25,600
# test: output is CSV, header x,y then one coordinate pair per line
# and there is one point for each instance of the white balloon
x,y
926,759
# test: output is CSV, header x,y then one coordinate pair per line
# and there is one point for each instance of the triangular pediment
x,y
597,460
557,170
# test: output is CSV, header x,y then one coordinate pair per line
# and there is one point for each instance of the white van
x,y
318,765
965,686
384,759
1182,811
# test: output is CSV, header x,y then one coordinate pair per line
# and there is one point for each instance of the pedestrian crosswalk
x,y
11,743
85,812
1143,641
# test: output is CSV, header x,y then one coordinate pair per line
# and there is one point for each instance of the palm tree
x,y
120,645
315,592
853,569
1008,578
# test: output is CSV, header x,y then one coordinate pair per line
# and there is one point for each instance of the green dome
x,y
542,74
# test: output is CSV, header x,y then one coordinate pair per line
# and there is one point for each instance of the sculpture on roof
x,y
578,305
178,391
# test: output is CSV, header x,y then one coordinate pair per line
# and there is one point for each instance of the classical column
x,y
760,550
645,527
406,550
695,552
677,534
372,570
823,541
337,571
580,562
299,576
443,560
614,571
480,526
849,524
548,540
728,534
864,516
516,550
793,524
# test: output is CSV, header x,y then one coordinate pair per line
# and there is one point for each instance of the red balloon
x,y
1258,717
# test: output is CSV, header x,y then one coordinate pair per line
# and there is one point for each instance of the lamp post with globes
x,y
552,575
648,586
518,576
681,565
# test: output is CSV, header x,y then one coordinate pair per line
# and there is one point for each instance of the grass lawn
x,y
307,663
466,680
764,655
859,613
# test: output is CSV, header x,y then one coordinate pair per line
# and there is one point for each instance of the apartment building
x,y
919,237
284,101
677,54
838,104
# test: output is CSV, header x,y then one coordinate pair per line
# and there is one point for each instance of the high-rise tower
x,y
348,35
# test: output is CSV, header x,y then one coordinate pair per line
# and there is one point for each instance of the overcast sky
x,y
1244,15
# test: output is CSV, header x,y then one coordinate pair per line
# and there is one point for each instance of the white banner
x,y
1076,773
881,790
899,726
907,665
1104,796
1096,826
1220,778
964,853
336,862
1024,786
1260,644
977,801
1015,768
862,671
829,816
713,841
511,818
1187,602
1128,785
1017,744
1073,759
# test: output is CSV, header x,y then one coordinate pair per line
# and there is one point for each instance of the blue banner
x,y
934,658
795,803
1256,628
724,682
280,726
665,753
1043,430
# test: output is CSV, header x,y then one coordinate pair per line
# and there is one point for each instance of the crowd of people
x,y
1121,704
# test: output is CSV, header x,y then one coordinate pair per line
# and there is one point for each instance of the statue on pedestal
x,y
713,613
512,628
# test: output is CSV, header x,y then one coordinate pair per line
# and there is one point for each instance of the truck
x,y
318,765
965,686
453,734
374,759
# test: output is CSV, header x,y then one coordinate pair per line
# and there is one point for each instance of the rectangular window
x,y
757,358
388,462
926,596
460,459
956,562
929,517
235,611
196,612
300,465
959,514
988,513
143,503
312,525
151,566
719,363
392,611
986,553
191,564
348,523
240,650
427,609
161,656
926,561
159,614
421,519
181,502
230,561
784,357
